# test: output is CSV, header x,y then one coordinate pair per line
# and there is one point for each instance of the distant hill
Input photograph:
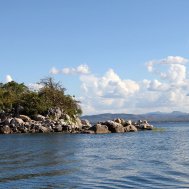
x,y
175,116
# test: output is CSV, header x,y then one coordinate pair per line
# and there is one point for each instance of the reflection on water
x,y
131,160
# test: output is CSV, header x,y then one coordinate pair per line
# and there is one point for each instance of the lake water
x,y
148,159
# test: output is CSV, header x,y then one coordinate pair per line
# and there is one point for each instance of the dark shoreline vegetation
x,y
50,110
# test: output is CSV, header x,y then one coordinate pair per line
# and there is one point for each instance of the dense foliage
x,y
16,98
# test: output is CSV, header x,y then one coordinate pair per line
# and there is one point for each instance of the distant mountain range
x,y
174,116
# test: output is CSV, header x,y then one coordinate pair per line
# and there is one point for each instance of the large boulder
x,y
130,128
19,121
119,129
39,118
23,129
7,121
43,129
5,129
66,128
118,120
16,122
57,128
55,113
25,118
62,122
147,127
127,123
3,116
121,121
114,127
100,129
144,125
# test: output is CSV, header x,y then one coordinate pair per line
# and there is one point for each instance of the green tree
x,y
11,95
52,95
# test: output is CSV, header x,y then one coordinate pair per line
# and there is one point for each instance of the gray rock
x,y
43,129
39,118
5,129
66,128
128,122
25,118
130,128
85,127
19,121
57,128
144,125
118,120
85,123
32,131
16,122
7,121
100,129
114,127
56,113
147,127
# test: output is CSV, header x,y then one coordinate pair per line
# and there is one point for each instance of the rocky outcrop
x,y
65,124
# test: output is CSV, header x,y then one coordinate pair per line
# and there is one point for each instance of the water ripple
x,y
138,160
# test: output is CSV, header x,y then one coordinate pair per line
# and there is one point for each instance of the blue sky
x,y
106,46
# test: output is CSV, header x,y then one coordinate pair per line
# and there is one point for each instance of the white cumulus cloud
x,y
167,90
8,78
54,71
109,86
172,69
176,74
111,93
108,93
167,60
80,70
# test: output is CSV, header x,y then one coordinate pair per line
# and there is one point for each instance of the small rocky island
x,y
49,109
63,123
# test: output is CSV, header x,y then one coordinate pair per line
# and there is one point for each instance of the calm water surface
x,y
149,159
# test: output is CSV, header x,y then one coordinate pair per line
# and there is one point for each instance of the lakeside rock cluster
x,y
64,124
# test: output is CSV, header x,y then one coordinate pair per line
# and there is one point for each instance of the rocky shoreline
x,y
42,124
